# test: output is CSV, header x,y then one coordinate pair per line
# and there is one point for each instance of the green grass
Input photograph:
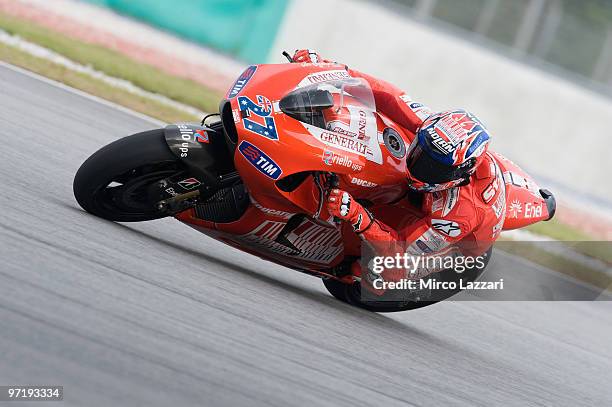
x,y
576,239
116,64
559,231
93,86
560,264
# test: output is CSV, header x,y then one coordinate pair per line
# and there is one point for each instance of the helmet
x,y
446,151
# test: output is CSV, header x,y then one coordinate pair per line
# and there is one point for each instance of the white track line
x,y
81,93
51,56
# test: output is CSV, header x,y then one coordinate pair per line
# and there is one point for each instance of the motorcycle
x,y
255,176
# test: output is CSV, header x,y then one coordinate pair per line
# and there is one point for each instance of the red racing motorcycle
x,y
255,175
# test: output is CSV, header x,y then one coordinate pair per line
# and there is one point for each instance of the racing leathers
x,y
470,215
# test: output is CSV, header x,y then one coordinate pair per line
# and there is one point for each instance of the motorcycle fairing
x,y
291,146
297,150
526,203
202,149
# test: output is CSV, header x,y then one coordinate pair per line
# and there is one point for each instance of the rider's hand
x,y
307,55
342,205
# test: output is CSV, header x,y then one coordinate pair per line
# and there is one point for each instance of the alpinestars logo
x,y
357,225
449,228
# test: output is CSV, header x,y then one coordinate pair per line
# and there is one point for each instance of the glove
x,y
342,205
307,55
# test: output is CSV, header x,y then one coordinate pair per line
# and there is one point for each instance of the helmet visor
x,y
428,170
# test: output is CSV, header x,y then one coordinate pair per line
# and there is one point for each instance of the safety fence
x,y
575,35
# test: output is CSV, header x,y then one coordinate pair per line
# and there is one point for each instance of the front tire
x,y
351,293
116,181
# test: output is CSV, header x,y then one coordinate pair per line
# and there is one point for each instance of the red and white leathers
x,y
468,218
472,214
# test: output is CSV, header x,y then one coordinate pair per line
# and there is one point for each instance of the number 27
x,y
248,106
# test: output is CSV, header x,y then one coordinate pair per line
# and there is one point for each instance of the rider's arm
x,y
395,103
390,100
449,223
427,235
432,242
432,236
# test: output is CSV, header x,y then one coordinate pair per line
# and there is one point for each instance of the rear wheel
x,y
117,181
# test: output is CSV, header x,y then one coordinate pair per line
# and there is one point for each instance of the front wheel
x,y
351,293
117,181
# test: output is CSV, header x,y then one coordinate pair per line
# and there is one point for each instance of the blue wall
x,y
245,29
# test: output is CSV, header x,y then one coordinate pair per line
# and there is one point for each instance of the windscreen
x,y
322,103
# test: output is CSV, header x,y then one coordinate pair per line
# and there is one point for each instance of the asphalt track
x,y
155,314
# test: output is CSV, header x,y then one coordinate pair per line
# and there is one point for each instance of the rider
x,y
448,166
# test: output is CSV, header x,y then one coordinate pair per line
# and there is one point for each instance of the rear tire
x,y
114,183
